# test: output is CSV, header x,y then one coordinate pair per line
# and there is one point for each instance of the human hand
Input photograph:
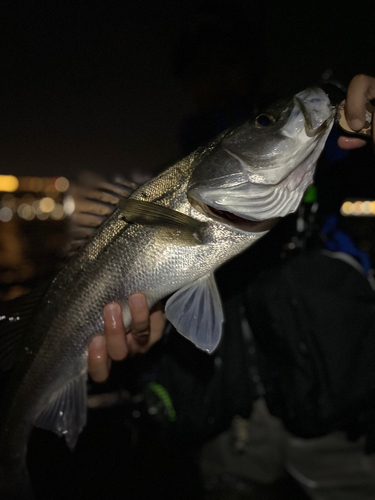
x,y
360,91
146,329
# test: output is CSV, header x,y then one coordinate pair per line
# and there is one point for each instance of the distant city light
x,y
51,191
367,207
26,211
8,200
69,205
42,215
358,208
28,198
46,205
8,183
58,212
6,214
347,208
62,184
34,197
35,184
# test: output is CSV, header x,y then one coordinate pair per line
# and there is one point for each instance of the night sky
x,y
88,85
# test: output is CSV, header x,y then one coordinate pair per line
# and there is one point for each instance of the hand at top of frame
x,y
360,91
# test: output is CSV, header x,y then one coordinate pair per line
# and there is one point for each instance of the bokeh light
x,y
51,191
46,205
35,184
69,205
6,214
62,184
42,215
26,211
347,208
58,212
8,183
358,208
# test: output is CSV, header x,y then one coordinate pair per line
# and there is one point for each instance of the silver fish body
x,y
232,199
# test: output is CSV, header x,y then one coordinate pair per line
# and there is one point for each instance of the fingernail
x,y
111,313
349,143
137,301
356,124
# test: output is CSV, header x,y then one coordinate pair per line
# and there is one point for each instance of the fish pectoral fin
x,y
147,213
66,414
196,312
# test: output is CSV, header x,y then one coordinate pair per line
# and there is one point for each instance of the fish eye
x,y
264,120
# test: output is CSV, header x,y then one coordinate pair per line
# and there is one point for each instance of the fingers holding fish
x,y
98,360
116,343
113,345
360,92
140,326
147,327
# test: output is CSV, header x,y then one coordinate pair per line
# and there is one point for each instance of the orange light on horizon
x,y
347,208
358,208
8,183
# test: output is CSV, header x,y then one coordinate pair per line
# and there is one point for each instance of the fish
x,y
165,240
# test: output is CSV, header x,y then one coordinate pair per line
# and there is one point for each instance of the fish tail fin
x,y
15,483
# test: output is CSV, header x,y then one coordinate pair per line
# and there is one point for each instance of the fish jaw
x,y
267,180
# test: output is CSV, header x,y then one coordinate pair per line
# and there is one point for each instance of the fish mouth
x,y
253,226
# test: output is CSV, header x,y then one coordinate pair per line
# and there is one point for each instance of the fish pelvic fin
x,y
196,312
67,412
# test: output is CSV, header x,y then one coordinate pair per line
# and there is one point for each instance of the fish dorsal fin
x,y
146,212
196,312
15,319
95,199
66,414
